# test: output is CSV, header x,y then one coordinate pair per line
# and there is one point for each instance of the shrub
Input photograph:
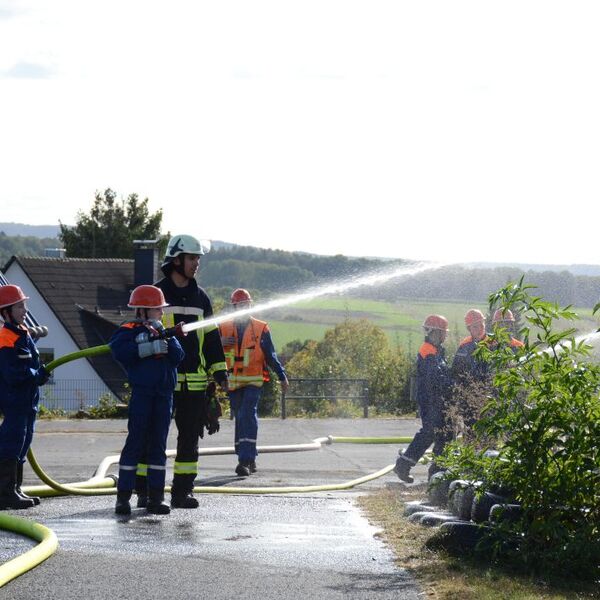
x,y
544,414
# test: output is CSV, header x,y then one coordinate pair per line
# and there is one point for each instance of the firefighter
x,y
151,365
248,350
504,318
21,375
432,390
204,358
465,364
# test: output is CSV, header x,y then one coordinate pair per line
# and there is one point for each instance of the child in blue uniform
x,y
151,366
21,374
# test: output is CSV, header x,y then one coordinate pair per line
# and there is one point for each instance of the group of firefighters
x,y
436,382
172,373
169,372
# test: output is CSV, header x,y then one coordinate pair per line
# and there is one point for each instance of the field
x,y
400,320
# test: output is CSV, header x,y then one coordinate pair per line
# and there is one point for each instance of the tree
x,y
111,226
358,349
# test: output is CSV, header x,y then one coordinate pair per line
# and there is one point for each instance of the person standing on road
x,y
21,375
432,390
248,349
151,365
204,358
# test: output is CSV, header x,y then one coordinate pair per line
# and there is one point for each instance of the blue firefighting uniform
x,y
152,381
21,374
432,388
244,399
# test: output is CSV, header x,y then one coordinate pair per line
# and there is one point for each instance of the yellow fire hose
x,y
102,484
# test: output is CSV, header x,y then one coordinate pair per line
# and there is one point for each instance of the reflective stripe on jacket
x,y
245,358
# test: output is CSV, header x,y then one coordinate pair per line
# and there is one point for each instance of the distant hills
x,y
52,231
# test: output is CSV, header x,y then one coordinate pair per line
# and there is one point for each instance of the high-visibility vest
x,y
245,360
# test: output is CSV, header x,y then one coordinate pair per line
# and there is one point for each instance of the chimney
x,y
145,258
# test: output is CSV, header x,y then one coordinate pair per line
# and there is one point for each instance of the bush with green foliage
x,y
544,414
357,349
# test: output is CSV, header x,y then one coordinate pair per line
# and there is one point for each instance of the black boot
x,y
21,493
402,468
122,507
156,504
243,470
8,487
252,466
141,489
181,492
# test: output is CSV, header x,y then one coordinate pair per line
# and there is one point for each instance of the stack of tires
x,y
465,513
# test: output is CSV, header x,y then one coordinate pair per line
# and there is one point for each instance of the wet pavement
x,y
314,545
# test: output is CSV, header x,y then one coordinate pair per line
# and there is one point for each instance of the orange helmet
x,y
474,316
147,296
240,295
503,315
436,322
11,294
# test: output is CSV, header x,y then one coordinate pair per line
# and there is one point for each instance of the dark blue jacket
x,y
159,371
466,366
20,369
433,378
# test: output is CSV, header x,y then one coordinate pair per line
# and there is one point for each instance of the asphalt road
x,y
314,545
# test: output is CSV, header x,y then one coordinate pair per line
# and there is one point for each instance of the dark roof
x,y
89,296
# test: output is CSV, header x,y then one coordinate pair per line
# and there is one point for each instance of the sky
x,y
446,131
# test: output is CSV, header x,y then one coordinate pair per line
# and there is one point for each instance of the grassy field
x,y
400,320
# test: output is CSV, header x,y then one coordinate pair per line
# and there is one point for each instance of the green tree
x,y
358,349
111,226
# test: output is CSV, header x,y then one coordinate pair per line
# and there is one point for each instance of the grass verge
x,y
444,577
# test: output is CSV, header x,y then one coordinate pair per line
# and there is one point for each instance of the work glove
x,y
42,376
212,411
156,347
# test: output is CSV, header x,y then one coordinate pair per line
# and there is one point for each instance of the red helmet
x,y
503,315
11,294
240,295
147,296
474,316
436,322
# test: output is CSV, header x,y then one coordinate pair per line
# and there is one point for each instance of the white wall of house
x,y
74,384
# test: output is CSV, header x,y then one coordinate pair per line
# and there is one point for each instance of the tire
x,y
437,489
436,519
481,506
505,513
461,537
418,506
455,494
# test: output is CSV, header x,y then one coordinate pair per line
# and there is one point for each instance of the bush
x,y
544,414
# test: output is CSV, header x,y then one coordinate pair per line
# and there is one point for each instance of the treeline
x,y
24,245
475,285
277,270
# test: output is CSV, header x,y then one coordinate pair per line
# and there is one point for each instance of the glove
x,y
42,376
142,338
213,413
146,349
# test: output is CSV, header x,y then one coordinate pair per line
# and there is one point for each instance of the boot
x,y
252,467
402,468
243,470
19,491
156,506
122,507
181,491
141,489
8,487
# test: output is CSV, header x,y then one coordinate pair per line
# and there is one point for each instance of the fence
x,y
72,395
333,390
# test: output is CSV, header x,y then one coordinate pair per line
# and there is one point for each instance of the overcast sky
x,y
432,130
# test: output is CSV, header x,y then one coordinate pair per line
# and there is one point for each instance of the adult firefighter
x,y
432,390
204,358
151,366
21,374
248,349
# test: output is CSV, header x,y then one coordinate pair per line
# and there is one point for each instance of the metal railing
x,y
72,395
333,390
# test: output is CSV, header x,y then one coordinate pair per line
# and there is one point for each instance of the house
x,y
82,301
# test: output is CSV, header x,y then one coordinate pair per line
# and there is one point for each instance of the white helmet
x,y
186,244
